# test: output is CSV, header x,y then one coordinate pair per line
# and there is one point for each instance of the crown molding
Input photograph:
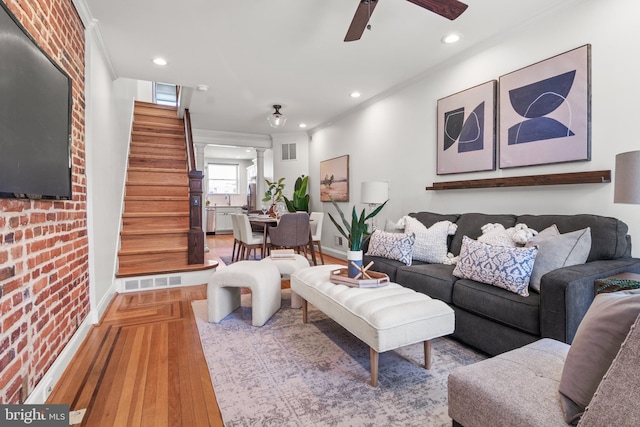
x,y
92,30
204,136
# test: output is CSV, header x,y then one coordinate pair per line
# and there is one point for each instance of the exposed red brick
x,y
36,270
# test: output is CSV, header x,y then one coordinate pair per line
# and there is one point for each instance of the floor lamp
x,y
627,178
374,193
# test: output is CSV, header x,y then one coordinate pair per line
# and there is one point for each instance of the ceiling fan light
x,y
277,119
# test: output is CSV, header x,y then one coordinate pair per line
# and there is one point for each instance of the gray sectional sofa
x,y
495,320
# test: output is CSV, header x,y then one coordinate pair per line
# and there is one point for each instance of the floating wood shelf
x,y
591,177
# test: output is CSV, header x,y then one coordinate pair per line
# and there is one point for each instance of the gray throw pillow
x,y
595,345
557,251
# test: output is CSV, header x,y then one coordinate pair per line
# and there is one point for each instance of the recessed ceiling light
x,y
355,94
450,38
160,61
203,88
302,125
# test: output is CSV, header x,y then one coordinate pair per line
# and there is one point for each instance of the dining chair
x,y
316,219
237,240
250,240
292,231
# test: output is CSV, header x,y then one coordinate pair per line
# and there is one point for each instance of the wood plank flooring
x,y
143,364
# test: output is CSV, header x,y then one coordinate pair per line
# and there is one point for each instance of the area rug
x,y
287,373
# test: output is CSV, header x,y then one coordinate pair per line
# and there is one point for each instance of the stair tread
x,y
156,134
155,156
153,214
178,125
167,170
156,250
156,184
157,198
154,233
142,271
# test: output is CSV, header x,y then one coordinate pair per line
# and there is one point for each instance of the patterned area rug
x,y
287,373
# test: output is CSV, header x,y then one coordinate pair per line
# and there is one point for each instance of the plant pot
x,y
354,257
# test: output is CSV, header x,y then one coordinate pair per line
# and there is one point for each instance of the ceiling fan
x,y
449,9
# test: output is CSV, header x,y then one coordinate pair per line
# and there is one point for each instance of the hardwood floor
x,y
143,364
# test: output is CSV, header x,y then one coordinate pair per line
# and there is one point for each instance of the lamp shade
x,y
374,192
627,178
277,119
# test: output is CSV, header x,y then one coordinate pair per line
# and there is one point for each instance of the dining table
x,y
266,221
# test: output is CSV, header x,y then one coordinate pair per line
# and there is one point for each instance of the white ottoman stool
x,y
287,267
223,291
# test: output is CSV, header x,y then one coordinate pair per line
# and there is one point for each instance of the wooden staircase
x,y
155,221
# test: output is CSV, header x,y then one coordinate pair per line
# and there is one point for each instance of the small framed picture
x,y
334,179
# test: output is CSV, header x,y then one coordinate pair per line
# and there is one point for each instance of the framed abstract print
x,y
467,130
545,111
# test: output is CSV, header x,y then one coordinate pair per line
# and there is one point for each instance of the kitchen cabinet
x,y
223,218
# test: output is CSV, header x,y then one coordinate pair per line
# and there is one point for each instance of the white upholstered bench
x,y
384,318
223,291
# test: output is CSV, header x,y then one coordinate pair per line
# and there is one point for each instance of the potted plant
x,y
300,201
273,194
354,233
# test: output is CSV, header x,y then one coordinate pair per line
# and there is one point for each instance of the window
x,y
223,178
289,151
165,94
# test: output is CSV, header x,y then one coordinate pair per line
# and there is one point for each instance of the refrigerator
x,y
252,197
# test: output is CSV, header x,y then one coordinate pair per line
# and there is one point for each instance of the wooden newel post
x,y
196,235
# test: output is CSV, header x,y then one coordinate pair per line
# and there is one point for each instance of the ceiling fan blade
x,y
360,20
450,9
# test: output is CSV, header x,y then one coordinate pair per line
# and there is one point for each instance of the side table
x,y
619,282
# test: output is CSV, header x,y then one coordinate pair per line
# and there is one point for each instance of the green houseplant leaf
x,y
358,229
300,201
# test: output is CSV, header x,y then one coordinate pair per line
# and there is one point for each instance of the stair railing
x,y
196,234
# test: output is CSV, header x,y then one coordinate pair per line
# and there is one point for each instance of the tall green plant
x,y
358,228
300,201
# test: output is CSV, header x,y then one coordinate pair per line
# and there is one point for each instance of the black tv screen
x,y
35,118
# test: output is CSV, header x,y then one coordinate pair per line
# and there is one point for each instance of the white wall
x,y
395,138
290,169
109,110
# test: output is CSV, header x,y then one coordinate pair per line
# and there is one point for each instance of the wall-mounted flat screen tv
x,y
35,118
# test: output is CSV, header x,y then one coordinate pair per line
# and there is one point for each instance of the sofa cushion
x,y
505,267
608,235
396,246
435,280
557,251
431,243
498,305
598,340
386,266
430,218
470,224
516,388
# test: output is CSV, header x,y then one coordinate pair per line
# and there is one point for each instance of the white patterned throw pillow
x,y
431,243
397,246
504,267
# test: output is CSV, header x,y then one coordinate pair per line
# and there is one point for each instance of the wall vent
x,y
289,151
175,281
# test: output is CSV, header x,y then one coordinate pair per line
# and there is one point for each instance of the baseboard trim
x,y
42,390
163,281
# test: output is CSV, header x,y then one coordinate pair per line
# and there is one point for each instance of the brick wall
x,y
44,285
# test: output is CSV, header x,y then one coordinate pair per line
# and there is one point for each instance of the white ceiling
x,y
256,53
